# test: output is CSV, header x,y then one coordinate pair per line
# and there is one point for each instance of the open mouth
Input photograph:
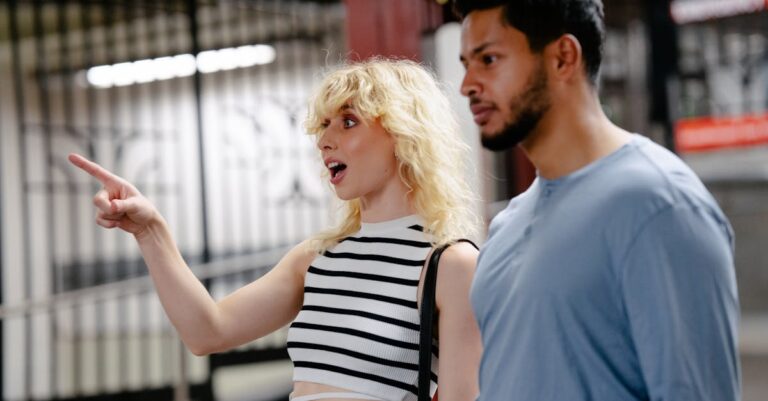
x,y
336,168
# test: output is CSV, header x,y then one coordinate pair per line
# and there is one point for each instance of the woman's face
x,y
360,156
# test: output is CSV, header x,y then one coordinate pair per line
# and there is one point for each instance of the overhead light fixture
x,y
687,11
183,65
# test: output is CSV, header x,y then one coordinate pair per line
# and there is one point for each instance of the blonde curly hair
x,y
408,102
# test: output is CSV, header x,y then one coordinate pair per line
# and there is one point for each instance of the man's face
x,y
505,82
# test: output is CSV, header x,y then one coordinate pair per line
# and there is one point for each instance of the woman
x,y
393,154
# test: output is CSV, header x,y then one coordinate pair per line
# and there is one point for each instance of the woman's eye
x,y
349,123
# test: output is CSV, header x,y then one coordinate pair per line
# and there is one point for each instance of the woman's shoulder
x,y
455,273
458,256
298,258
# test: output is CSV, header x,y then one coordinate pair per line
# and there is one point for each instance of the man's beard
x,y
532,104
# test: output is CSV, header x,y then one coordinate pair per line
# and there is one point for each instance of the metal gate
x,y
199,104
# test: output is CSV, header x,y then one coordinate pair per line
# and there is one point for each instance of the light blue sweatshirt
x,y
613,283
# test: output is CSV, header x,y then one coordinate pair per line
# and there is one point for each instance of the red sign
x,y
709,133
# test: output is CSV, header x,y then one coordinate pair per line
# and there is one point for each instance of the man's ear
x,y
564,58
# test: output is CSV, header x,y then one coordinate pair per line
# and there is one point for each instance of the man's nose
x,y
469,85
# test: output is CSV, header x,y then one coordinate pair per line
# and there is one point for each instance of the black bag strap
x,y
428,320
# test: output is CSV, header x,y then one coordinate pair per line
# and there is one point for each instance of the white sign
x,y
686,11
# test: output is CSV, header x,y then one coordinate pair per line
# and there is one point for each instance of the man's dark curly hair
x,y
543,21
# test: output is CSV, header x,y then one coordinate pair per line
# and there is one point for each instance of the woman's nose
x,y
326,141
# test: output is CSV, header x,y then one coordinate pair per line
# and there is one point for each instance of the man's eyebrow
x,y
477,50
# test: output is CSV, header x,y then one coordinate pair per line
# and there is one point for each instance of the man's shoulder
x,y
650,181
651,173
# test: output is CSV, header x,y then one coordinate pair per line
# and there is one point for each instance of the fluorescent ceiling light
x,y
183,65
686,11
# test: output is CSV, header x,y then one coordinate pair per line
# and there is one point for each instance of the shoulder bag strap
x,y
428,321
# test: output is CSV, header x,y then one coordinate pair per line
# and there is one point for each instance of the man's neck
x,y
572,136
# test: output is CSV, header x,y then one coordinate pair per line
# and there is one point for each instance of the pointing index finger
x,y
96,171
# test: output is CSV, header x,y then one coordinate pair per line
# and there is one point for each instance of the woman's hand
x,y
119,203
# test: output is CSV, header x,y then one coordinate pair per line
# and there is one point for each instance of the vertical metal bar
x,y
258,83
156,140
114,264
181,390
180,33
663,68
299,206
764,55
132,18
74,215
321,28
157,32
2,258
21,115
275,85
123,134
182,209
246,230
262,220
2,273
92,132
109,44
230,152
45,115
329,28
133,132
181,387
192,15
228,155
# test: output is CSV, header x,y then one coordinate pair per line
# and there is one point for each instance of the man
x,y
611,278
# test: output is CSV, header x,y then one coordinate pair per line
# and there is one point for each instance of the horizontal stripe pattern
x,y
366,267
357,333
357,343
377,258
360,294
358,328
396,294
362,304
363,276
369,315
355,354
384,240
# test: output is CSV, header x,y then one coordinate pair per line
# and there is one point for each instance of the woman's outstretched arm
x,y
204,325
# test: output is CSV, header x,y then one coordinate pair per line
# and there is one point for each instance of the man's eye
x,y
489,59
349,123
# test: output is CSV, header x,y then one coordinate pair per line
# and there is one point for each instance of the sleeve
x,y
679,289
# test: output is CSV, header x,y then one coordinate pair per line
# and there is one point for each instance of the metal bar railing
x,y
258,262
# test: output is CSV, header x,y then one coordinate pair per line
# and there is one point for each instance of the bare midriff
x,y
308,388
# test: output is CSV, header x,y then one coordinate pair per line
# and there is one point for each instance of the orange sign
x,y
709,133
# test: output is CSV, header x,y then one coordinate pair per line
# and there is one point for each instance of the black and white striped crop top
x,y
358,328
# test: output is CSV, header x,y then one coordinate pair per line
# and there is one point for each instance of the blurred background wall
x,y
200,104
